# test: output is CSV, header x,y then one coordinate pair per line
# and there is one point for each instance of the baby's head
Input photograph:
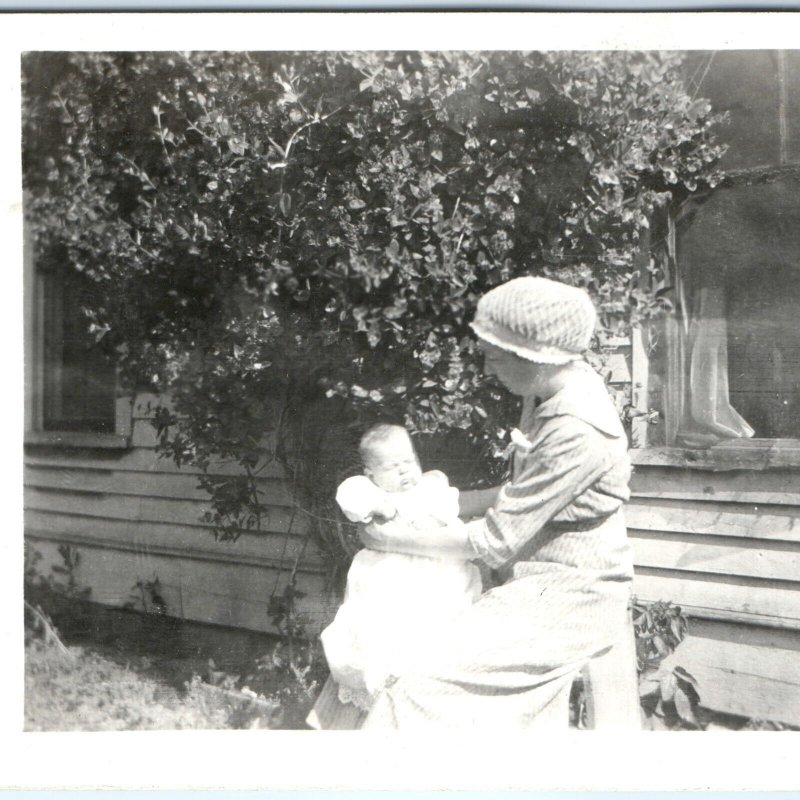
x,y
389,458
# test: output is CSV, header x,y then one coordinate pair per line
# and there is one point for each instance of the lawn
x,y
100,670
75,689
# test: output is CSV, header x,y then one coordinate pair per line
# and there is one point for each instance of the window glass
x,y
79,381
764,350
726,365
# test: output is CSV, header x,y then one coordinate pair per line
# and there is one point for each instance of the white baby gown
x,y
395,603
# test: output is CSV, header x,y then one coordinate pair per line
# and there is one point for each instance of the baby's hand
x,y
384,511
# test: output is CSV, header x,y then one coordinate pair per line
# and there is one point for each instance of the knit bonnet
x,y
537,319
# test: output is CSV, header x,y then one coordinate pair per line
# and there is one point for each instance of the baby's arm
x,y
362,501
440,506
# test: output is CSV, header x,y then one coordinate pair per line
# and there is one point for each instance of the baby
x,y
394,603
393,484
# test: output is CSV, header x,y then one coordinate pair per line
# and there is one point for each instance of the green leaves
x,y
668,693
336,216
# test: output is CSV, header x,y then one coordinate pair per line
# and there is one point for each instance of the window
x,y
723,371
71,386
79,383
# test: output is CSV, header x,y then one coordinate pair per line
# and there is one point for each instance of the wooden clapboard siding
x,y
718,555
134,516
716,518
139,459
236,594
120,505
169,538
777,640
178,485
765,602
725,545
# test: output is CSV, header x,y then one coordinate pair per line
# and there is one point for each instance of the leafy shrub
x,y
670,696
293,244
659,627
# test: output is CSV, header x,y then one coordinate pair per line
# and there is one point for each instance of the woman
x,y
555,532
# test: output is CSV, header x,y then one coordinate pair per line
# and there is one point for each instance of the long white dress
x,y
395,604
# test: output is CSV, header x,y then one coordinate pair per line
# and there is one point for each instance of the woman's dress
x,y
558,536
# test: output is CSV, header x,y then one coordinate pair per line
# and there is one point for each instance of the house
x,y
715,517
715,513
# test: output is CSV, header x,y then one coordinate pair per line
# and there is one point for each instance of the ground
x,y
99,669
76,689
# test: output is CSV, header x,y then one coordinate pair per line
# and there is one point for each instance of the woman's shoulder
x,y
567,438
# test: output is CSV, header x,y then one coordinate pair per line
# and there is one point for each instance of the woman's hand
x,y
384,511
393,536
477,502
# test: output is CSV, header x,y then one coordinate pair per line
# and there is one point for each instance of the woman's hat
x,y
537,319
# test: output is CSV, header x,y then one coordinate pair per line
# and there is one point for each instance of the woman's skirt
x,y
509,660
331,714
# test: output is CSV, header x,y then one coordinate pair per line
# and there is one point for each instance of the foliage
x,y
292,244
668,694
291,674
61,580
39,626
659,627
147,596
278,689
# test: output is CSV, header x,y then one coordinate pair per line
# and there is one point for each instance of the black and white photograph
x,y
416,390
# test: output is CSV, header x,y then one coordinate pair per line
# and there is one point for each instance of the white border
x,y
307,760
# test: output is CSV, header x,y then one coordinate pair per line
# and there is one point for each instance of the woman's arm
x,y
392,536
569,457
476,502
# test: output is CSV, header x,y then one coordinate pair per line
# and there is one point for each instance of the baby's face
x,y
393,465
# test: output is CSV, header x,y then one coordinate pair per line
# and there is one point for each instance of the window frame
x,y
34,433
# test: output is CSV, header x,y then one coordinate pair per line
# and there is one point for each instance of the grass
x,y
97,669
76,689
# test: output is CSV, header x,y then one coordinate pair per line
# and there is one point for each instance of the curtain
x,y
697,407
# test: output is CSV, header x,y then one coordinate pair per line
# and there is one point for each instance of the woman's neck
x,y
557,377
